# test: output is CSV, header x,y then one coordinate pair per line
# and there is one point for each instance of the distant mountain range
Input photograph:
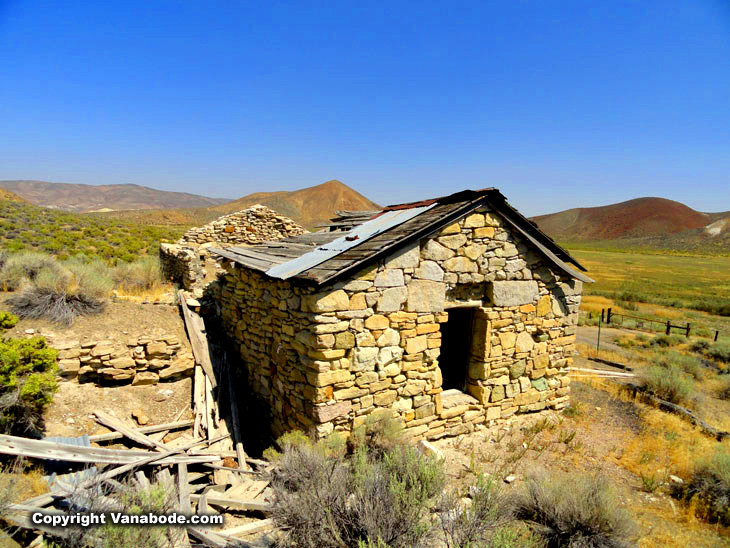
x,y
86,198
655,223
309,207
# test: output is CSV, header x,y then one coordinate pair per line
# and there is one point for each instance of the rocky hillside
x,y
86,198
308,206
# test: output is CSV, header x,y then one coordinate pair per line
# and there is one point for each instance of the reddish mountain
x,y
633,219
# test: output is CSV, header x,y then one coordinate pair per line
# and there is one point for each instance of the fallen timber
x,y
199,473
40,449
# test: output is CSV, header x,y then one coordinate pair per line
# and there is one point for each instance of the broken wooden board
x,y
177,425
115,424
198,339
41,449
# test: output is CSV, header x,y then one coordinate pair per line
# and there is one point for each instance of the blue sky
x,y
559,104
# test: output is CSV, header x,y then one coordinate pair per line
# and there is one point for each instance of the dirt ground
x,y
70,413
598,435
119,318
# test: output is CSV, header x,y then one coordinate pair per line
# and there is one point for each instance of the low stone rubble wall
x,y
133,359
188,262
253,225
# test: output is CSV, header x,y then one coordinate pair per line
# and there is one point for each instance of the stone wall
x,y
325,360
188,262
135,359
253,225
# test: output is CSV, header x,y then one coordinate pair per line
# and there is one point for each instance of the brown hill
x,y
308,206
637,218
86,198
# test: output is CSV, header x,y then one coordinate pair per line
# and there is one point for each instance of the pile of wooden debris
x,y
206,466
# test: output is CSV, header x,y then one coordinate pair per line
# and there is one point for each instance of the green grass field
x,y
679,288
702,283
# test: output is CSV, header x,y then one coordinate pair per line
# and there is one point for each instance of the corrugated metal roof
x,y
63,475
352,238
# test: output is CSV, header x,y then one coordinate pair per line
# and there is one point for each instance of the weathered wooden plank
x,y
143,430
157,458
198,340
235,504
142,480
249,528
40,449
183,488
115,424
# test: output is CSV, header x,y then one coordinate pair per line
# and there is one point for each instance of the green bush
x,y
27,383
668,383
667,340
574,511
7,320
23,268
710,485
327,500
379,433
672,359
700,347
143,274
482,523
719,351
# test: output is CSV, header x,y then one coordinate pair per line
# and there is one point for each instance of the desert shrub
x,y
7,320
287,442
27,383
574,511
719,351
57,306
142,274
126,498
379,433
668,383
323,500
58,292
724,392
667,340
710,487
3,258
23,268
700,347
689,364
480,524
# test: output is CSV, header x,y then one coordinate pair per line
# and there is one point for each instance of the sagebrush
x,y
27,384
574,511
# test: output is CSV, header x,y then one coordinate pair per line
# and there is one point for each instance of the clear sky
x,y
558,103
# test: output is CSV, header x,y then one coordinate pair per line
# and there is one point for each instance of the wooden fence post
x,y
717,334
608,316
603,319
669,327
688,328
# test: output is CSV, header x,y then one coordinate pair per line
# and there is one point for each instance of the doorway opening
x,y
456,336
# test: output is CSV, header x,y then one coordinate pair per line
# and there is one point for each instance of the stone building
x,y
187,261
449,312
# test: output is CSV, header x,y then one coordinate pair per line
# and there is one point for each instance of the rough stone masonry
x,y
326,358
188,262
